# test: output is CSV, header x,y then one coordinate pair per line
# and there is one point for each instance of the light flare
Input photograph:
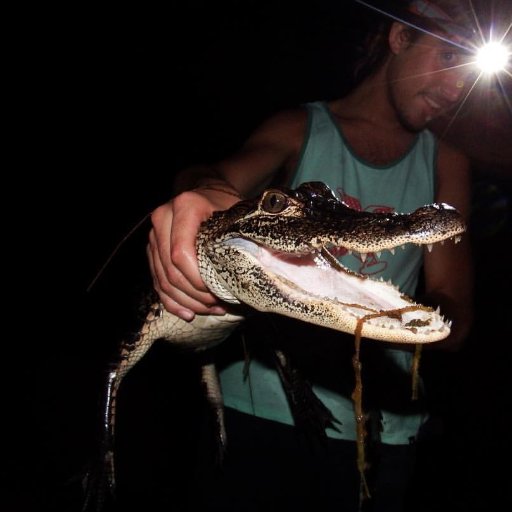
x,y
492,57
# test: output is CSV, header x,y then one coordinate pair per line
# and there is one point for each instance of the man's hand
x,y
172,252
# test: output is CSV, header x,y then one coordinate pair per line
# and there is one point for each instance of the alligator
x,y
273,254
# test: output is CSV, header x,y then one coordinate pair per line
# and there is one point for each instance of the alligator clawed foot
x,y
309,413
98,489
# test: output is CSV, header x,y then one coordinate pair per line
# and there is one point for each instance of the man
x,y
373,149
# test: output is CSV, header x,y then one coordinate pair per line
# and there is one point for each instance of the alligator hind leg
x,y
309,412
210,380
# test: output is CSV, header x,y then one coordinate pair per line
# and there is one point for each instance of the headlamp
x,y
492,57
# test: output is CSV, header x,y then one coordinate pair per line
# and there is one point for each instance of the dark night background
x,y
124,98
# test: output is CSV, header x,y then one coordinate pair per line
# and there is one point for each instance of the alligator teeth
x,y
392,251
363,256
457,239
378,253
429,247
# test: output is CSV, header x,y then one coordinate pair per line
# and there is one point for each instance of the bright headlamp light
x,y
492,57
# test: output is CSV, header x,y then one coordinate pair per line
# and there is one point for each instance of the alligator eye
x,y
274,202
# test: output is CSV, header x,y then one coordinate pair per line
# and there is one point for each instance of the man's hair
x,y
374,47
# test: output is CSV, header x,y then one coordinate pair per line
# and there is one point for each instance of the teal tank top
x,y
401,186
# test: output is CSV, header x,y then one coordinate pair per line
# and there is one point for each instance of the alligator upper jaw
x,y
301,227
335,297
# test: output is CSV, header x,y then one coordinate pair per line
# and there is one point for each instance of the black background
x,y
116,100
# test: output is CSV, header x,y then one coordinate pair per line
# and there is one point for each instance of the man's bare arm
x,y
449,267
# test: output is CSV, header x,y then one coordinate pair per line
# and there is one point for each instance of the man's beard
x,y
402,117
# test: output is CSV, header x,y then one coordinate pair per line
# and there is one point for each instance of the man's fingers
x,y
173,259
181,298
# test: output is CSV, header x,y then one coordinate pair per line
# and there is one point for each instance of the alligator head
x,y
273,253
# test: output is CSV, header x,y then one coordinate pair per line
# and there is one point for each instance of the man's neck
x,y
370,103
370,124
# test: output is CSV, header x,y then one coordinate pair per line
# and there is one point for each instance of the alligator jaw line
x,y
318,282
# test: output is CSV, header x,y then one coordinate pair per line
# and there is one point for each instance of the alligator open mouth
x,y
319,282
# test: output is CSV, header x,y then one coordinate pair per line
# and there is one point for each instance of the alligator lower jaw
x,y
340,299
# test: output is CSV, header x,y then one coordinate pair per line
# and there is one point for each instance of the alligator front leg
x,y
100,479
201,333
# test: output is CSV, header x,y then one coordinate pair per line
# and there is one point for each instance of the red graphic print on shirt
x,y
370,264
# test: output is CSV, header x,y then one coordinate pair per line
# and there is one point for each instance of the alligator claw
x,y
99,495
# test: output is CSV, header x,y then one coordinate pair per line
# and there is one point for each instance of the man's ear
x,y
399,37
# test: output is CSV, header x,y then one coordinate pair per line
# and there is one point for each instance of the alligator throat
x,y
314,275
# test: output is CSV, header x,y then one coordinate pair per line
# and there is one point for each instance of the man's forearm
x,y
202,177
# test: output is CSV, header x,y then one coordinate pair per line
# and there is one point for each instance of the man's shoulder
x,y
290,116
453,171
450,153
289,124
447,150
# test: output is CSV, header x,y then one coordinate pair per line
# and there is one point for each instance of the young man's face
x,y
427,78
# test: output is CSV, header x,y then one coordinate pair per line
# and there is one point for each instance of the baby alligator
x,y
273,254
